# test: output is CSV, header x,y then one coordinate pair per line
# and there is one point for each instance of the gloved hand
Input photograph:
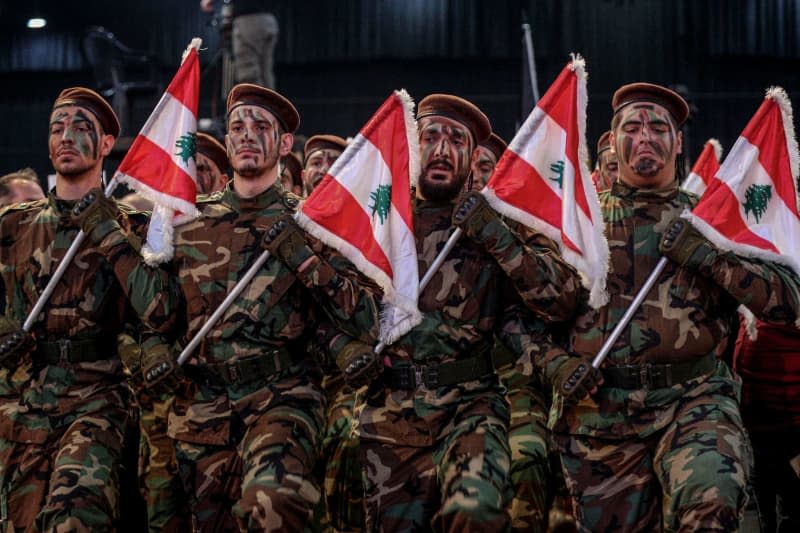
x,y
359,363
686,246
475,217
160,369
130,353
575,379
14,343
96,215
286,241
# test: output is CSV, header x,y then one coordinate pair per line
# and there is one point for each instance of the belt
x,y
242,370
64,351
412,377
657,375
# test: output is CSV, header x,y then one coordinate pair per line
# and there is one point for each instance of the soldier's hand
x,y
287,242
474,215
160,369
359,363
96,215
576,379
14,343
686,246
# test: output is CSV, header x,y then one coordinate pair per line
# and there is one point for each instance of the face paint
x,y
318,164
445,149
253,141
208,174
647,144
74,141
609,169
482,168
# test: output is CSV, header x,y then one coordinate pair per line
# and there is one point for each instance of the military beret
x,y
213,149
92,102
295,169
280,107
322,142
649,92
495,144
604,142
458,109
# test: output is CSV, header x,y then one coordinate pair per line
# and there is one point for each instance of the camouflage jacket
x,y
474,296
92,302
279,308
684,317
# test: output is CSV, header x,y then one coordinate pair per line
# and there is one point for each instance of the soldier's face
x,y
76,142
446,148
482,167
609,168
318,164
646,142
21,191
254,141
209,176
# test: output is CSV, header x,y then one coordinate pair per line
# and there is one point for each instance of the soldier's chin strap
x,y
62,267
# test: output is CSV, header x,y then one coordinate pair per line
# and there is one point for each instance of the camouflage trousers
x,y
159,481
691,475
457,483
343,485
70,482
263,480
529,440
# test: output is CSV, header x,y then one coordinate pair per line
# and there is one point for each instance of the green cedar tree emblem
x,y
187,146
381,201
558,168
756,199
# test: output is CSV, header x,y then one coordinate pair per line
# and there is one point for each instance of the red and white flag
x,y
542,180
160,164
704,168
751,205
362,207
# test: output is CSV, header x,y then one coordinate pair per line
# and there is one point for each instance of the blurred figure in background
x,y
20,186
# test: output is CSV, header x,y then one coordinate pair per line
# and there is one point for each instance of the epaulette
x,y
22,206
213,197
291,200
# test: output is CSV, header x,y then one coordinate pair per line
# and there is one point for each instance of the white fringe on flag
x,y
779,96
717,148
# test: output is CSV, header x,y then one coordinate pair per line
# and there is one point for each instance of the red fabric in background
x,y
770,370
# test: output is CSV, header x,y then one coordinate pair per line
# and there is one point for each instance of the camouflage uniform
x,y
64,410
643,454
437,452
248,424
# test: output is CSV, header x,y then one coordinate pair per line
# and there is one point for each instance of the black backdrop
x,y
338,59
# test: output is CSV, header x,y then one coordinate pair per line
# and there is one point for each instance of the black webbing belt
x,y
657,375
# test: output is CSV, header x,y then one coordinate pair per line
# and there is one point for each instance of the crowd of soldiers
x,y
486,416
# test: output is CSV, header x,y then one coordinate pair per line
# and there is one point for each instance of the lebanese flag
x,y
160,164
362,207
704,168
542,180
751,205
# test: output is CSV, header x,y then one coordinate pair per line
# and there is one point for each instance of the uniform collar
x,y
260,201
623,190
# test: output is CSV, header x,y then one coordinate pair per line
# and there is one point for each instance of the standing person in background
x,y
255,34
212,164
607,164
321,151
20,186
489,152
770,369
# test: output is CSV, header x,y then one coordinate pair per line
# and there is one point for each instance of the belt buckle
x,y
419,378
430,377
63,352
233,373
644,376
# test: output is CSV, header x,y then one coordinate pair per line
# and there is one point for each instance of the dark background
x,y
337,60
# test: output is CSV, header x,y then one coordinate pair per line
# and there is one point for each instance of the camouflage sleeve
x,y
152,291
547,284
348,297
770,290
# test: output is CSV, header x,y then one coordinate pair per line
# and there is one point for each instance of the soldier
x,y
292,174
247,423
655,440
63,395
321,152
489,153
607,164
20,186
212,164
433,428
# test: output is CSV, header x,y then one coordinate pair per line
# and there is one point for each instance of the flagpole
x,y
626,318
451,241
226,303
528,40
62,267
